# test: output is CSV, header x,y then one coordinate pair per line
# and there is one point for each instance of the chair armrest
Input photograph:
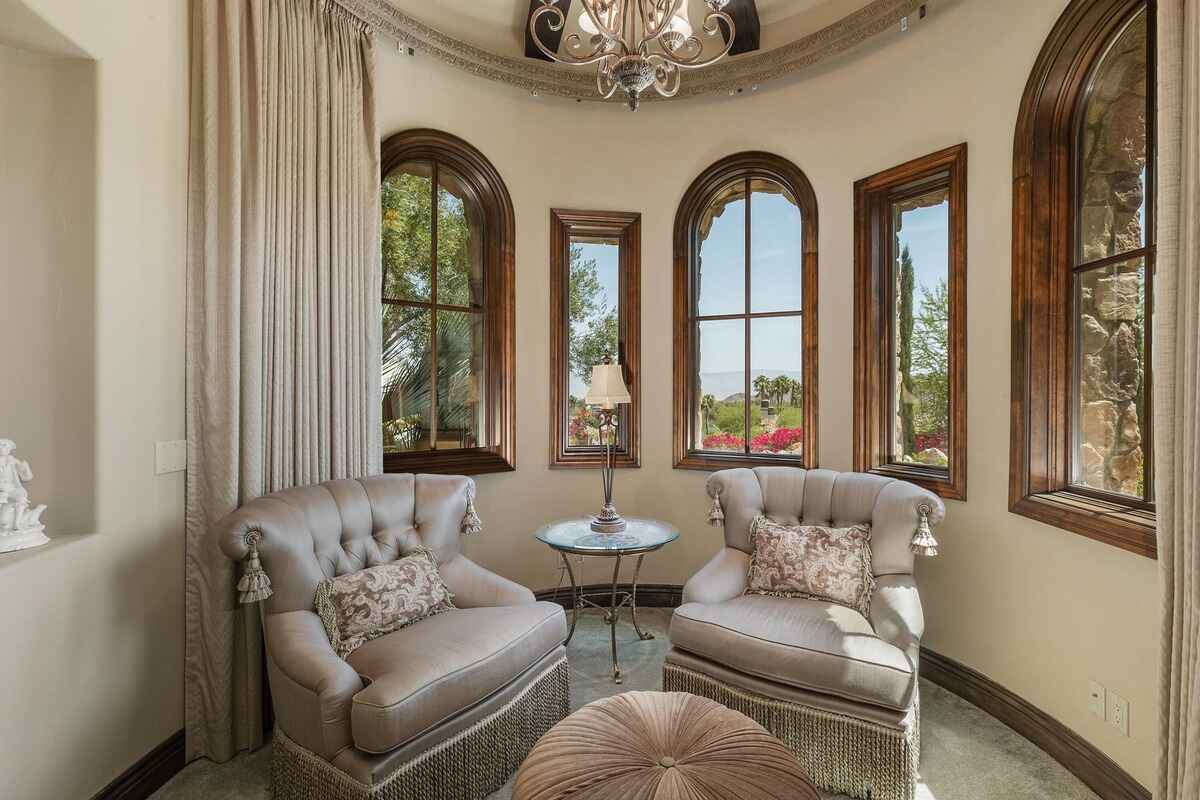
x,y
723,578
896,614
312,688
475,587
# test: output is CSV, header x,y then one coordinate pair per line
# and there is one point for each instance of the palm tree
x,y
707,404
780,386
762,386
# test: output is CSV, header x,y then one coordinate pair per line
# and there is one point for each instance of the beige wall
x,y
92,658
98,658
1040,610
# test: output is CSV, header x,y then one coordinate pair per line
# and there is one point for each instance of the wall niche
x,y
48,264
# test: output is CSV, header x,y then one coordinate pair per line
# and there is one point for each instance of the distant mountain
x,y
724,385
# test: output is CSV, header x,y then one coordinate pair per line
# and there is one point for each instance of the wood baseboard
x,y
649,595
1081,758
149,774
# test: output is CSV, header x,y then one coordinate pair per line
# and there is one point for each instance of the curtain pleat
x,y
283,340
1177,394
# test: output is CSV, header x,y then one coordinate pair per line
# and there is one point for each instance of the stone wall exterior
x,y
1110,314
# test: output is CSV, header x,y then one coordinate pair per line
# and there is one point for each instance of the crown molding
x,y
729,75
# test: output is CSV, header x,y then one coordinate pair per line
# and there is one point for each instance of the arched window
x,y
1083,272
745,316
448,354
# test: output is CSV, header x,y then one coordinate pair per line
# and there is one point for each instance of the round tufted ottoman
x,y
660,746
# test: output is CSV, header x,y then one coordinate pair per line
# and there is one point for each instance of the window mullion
x,y
433,310
749,377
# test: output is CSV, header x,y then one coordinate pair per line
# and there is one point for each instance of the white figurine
x,y
20,525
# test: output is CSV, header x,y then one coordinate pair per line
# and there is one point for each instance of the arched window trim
x,y
691,207
483,180
1044,241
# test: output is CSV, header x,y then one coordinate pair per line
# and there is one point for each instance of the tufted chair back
x,y
329,529
824,497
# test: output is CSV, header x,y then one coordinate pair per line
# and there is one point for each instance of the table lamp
x,y
608,390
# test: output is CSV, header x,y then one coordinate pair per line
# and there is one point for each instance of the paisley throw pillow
x,y
360,606
812,561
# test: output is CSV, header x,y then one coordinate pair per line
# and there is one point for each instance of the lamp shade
x,y
608,387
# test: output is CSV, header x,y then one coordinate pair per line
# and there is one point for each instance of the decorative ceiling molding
x,y
728,76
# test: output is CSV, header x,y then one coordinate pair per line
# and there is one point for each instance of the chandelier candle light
x,y
635,44
608,390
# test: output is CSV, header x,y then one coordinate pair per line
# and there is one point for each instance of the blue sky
x,y
775,285
607,272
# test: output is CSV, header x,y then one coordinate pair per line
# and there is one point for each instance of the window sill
x,y
938,481
712,462
448,462
1127,528
593,461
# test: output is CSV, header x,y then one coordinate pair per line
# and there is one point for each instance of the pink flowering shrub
x,y
937,441
780,440
723,441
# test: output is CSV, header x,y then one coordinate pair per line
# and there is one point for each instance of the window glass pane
x,y
460,242
407,361
776,265
1112,171
1110,358
920,373
721,385
460,400
721,263
592,310
776,380
407,226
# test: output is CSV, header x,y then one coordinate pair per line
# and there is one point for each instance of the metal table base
x,y
617,600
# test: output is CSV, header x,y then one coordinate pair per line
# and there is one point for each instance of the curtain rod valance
x,y
537,77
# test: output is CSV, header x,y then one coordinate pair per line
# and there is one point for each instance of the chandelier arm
x,y
608,32
711,28
557,20
667,77
650,31
606,84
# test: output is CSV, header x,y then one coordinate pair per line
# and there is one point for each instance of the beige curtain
x,y
1177,394
283,306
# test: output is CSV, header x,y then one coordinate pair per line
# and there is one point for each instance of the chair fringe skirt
x,y
841,754
469,766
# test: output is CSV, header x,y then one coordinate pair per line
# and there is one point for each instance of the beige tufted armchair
x,y
445,708
839,689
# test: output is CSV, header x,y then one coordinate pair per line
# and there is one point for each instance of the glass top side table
x,y
575,537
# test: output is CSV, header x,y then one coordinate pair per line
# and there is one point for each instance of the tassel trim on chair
x,y
471,524
254,584
923,543
716,514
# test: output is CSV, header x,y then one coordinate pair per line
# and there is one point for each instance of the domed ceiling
x,y
774,38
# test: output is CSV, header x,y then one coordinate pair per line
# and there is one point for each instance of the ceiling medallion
x,y
635,44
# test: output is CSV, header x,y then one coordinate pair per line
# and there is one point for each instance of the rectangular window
x,y
910,319
595,279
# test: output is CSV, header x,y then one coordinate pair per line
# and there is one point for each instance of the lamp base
x,y
608,520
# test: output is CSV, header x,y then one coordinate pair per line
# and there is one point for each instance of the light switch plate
x,y
1118,713
1097,699
170,457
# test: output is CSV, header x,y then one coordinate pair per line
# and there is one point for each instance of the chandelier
x,y
635,44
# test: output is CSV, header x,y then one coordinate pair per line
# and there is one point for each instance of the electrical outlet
x,y
1097,699
1118,713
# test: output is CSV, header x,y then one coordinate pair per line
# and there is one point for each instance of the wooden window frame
x,y
1044,243
499,302
749,165
874,264
626,228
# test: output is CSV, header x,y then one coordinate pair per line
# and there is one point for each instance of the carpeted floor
x,y
965,754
